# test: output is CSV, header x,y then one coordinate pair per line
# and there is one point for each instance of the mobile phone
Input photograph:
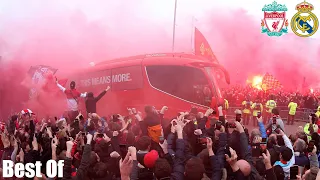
x,y
203,140
232,125
227,151
277,130
123,150
294,170
310,146
83,133
256,151
238,117
259,115
161,139
100,135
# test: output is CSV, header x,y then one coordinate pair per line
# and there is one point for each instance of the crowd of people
x,y
133,147
146,146
237,94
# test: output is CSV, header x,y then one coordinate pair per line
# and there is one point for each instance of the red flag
x,y
270,82
202,47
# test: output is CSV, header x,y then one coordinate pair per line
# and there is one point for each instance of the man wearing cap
x,y
72,99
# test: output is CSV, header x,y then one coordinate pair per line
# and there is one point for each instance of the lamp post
x,y
174,24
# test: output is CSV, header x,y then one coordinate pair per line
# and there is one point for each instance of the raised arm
x,y
101,95
63,89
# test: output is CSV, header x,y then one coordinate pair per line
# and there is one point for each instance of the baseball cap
x,y
150,159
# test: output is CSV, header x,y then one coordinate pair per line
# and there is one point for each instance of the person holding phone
x,y
313,172
275,121
287,158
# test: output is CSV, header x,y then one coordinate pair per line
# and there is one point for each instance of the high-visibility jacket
x,y
292,108
226,104
271,104
307,131
247,107
256,107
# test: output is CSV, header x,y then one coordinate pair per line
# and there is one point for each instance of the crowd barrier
x,y
302,114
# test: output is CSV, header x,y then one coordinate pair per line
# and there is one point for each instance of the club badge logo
x,y
274,22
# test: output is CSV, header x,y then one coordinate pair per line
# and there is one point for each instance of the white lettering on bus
x,y
106,80
86,82
121,78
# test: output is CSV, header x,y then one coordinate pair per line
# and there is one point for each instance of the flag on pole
x,y
270,82
39,76
202,47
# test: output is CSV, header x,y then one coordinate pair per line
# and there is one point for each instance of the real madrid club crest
x,y
274,22
304,23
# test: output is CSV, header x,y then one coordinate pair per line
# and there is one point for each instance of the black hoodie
x,y
91,102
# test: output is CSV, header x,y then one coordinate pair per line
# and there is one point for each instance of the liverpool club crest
x,y
274,22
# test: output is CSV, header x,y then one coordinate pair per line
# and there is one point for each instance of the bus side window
x,y
181,81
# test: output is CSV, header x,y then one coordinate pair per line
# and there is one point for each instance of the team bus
x,y
177,80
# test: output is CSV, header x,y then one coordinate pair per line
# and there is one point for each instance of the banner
x,y
38,77
202,47
270,82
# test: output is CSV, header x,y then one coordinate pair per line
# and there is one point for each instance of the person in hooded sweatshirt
x,y
72,99
91,101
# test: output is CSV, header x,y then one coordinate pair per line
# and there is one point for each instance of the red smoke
x,y
68,39
244,51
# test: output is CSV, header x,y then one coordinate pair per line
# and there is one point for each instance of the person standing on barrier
x,y
257,108
270,105
292,111
246,105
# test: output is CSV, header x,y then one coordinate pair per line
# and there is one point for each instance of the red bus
x,y
177,80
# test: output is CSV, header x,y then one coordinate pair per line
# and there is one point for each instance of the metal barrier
x,y
302,114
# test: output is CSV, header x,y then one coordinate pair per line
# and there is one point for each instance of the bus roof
x,y
151,59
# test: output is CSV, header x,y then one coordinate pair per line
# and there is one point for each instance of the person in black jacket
x,y
91,101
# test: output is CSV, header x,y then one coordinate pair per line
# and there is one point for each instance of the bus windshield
x,y
183,82
210,71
